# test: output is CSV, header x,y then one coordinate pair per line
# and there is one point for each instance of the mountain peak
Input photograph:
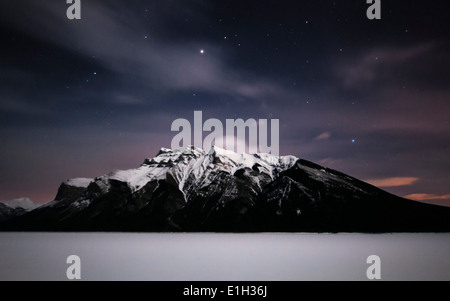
x,y
232,157
191,166
17,207
193,190
23,203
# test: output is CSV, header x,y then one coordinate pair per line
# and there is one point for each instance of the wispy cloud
x,y
426,197
378,64
23,106
393,182
324,135
113,36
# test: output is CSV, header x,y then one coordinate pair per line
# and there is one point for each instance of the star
x,y
202,51
353,140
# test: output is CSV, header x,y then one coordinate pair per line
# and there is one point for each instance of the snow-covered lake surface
x,y
251,257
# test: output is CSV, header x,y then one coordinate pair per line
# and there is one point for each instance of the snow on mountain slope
x,y
193,167
24,203
16,207
193,190
79,182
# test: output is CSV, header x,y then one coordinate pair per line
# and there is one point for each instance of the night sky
x,y
370,98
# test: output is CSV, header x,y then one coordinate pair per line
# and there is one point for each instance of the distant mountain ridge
x,y
16,207
191,190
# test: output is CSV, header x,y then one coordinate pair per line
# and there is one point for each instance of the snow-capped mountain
x,y
219,190
24,203
14,208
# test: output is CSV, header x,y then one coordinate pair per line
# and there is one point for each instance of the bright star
x,y
202,51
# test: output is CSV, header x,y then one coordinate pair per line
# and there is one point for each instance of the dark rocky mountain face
x,y
13,208
220,191
7,213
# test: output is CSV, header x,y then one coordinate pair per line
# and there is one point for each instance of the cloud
x,y
23,106
324,135
426,197
378,64
393,182
116,38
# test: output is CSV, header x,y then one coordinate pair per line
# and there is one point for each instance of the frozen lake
x,y
227,257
